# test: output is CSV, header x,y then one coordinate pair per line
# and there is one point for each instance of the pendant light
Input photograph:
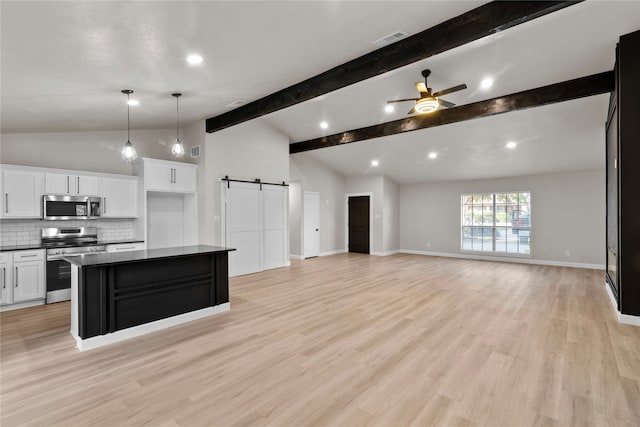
x,y
177,149
128,153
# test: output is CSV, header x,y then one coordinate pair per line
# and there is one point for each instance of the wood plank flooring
x,y
346,340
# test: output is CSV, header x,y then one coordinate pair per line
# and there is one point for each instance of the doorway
x,y
358,224
311,234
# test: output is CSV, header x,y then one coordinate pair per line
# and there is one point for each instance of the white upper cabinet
x,y
21,193
120,197
164,175
75,185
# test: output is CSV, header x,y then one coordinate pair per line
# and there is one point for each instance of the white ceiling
x,y
63,65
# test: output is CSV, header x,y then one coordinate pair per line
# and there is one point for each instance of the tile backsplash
x,y
15,232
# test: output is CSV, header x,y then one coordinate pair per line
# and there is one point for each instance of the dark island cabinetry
x,y
117,295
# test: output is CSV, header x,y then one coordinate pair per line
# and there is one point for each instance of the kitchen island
x,y
117,296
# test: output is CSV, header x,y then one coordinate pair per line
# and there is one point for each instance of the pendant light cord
x,y
177,121
128,120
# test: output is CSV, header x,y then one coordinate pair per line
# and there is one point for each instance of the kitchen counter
x,y
122,295
104,259
39,245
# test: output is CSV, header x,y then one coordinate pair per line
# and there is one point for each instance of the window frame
x,y
493,252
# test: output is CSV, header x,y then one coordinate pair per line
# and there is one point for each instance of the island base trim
x,y
158,325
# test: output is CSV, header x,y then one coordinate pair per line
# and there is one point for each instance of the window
x,y
496,222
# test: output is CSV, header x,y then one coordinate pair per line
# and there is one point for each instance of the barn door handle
x,y
317,229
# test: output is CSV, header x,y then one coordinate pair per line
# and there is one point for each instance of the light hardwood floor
x,y
347,340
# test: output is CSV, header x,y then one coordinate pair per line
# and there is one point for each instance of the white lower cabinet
x,y
124,247
6,277
23,276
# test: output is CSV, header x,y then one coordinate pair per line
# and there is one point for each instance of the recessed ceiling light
x,y
486,83
374,163
511,144
324,125
194,59
433,155
133,102
389,108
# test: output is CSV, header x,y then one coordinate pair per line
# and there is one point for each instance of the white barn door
x,y
256,225
243,227
275,241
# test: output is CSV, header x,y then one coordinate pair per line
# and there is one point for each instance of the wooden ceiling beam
x,y
480,22
559,92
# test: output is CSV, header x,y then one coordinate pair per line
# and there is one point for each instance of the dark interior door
x,y
359,224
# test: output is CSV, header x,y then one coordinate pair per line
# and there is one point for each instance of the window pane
x,y
503,226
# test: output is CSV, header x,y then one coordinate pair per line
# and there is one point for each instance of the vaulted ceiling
x,y
63,65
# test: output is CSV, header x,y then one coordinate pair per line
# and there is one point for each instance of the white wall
x,y
295,218
85,151
390,216
567,214
246,151
314,176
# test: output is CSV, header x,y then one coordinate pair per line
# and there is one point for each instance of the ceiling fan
x,y
429,101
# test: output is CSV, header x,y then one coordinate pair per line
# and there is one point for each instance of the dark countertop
x,y
5,248
93,260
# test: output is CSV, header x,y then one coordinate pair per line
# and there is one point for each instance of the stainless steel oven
x,y
62,242
70,207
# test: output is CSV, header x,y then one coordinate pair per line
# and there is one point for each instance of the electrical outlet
x,y
428,244
567,252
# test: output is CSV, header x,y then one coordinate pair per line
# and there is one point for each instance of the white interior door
x,y
243,224
311,236
275,244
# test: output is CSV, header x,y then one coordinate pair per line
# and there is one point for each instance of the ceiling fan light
x,y
426,105
177,149
128,152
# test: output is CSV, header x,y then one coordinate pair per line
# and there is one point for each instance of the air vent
x,y
195,151
391,38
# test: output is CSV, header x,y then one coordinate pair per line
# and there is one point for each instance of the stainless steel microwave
x,y
55,207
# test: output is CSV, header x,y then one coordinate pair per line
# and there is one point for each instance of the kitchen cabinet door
x,y
158,176
28,281
88,185
184,178
119,198
6,279
56,183
22,193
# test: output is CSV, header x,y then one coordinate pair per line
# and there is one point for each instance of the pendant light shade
x,y
177,149
128,152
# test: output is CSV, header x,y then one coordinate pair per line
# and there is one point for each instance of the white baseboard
x,y
518,260
293,256
136,331
387,253
339,251
16,306
627,319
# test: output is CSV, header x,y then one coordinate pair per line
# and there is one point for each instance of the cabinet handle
x,y
78,186
104,205
68,184
28,256
16,277
170,175
6,202
4,278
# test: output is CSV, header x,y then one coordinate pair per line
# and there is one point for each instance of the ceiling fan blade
x,y
422,88
450,90
412,111
446,103
402,100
